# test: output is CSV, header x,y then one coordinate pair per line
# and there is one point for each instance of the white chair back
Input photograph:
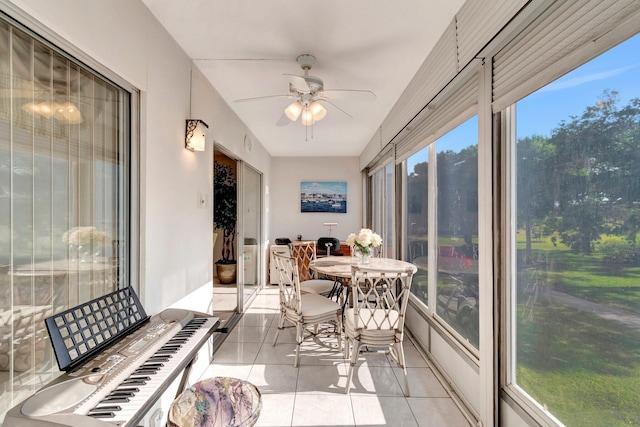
x,y
302,309
376,315
289,283
380,298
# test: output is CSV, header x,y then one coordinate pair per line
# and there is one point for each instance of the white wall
x,y
124,37
286,218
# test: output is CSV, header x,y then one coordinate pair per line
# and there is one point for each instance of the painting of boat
x,y
323,196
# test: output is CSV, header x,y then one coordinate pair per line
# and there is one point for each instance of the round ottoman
x,y
216,402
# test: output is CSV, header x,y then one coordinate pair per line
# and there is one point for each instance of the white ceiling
x,y
244,47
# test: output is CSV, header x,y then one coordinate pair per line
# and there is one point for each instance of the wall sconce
x,y
195,135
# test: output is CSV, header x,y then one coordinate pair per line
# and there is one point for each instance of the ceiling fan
x,y
309,94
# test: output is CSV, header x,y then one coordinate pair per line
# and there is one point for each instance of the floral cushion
x,y
216,402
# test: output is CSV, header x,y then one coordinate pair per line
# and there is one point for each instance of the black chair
x,y
328,246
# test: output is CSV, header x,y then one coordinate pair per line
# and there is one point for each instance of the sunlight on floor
x,y
313,394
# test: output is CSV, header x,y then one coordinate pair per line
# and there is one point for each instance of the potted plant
x,y
224,217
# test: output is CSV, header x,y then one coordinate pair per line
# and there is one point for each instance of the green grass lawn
x,y
584,368
586,276
584,371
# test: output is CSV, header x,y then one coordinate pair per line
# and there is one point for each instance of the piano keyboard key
x,y
110,408
101,414
121,399
191,336
106,389
126,370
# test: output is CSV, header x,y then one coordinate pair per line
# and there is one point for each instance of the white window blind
x,y
436,72
562,29
479,21
450,109
473,27
64,198
385,157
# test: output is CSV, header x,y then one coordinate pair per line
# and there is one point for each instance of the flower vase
x,y
363,255
85,254
73,252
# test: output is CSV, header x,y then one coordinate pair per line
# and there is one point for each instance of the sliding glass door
x,y
237,233
64,199
251,218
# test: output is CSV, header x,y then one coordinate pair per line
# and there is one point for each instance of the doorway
x,y
225,214
237,233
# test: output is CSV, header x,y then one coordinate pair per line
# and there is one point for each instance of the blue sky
x,y
539,113
617,69
323,187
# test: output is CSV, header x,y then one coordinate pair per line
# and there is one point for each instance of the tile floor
x,y
313,394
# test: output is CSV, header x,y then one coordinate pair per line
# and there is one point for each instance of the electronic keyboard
x,y
118,362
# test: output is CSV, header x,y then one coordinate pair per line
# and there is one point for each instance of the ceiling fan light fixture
x,y
293,111
46,109
68,112
307,117
31,108
317,111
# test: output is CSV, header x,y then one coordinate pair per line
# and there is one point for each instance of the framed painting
x,y
323,196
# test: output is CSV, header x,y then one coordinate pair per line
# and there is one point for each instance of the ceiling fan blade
x,y
241,59
334,105
283,120
299,83
363,95
259,98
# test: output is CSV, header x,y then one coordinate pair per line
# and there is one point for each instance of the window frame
x,y
433,243
505,139
378,166
131,125
127,134
448,117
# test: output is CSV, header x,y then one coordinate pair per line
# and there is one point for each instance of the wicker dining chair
x,y
304,253
376,313
303,309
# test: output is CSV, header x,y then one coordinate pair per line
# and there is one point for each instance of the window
x,y
377,201
455,248
457,228
575,244
64,209
383,207
416,228
389,242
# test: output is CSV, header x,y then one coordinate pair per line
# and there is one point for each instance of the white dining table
x,y
340,266
98,277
